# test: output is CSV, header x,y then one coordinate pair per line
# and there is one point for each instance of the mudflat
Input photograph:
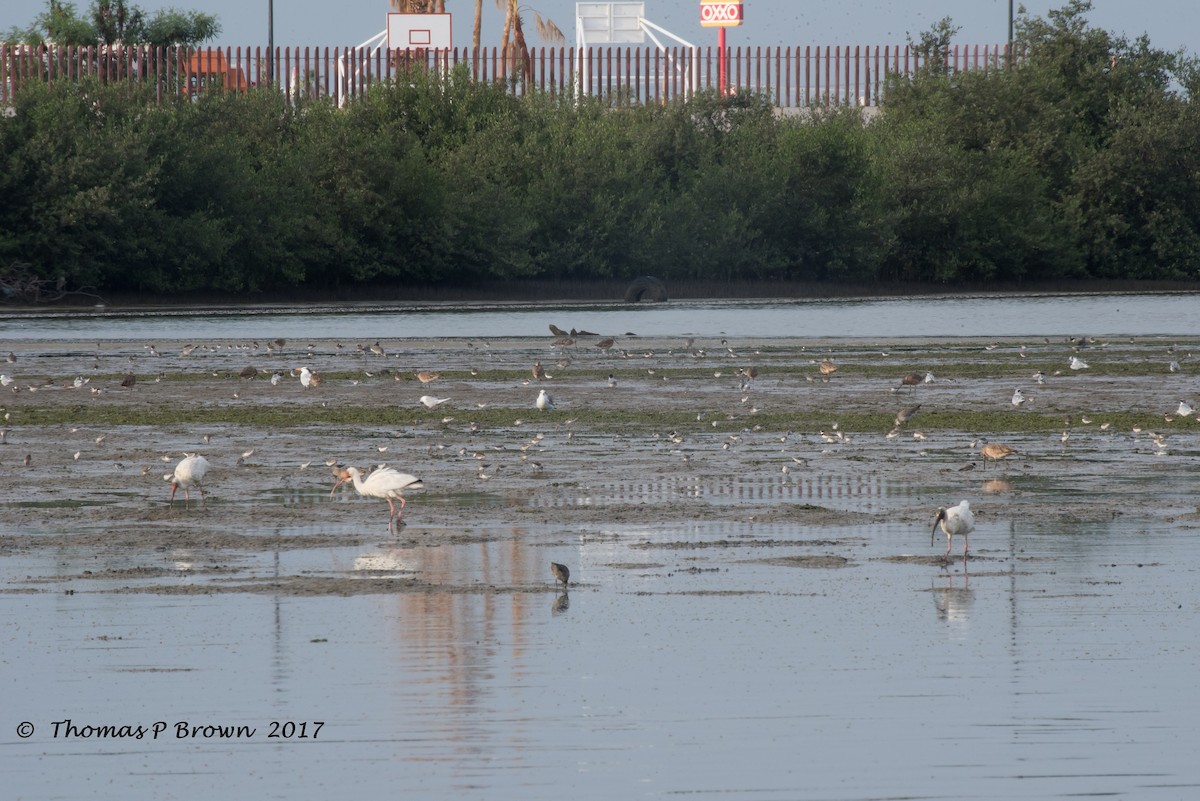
x,y
643,432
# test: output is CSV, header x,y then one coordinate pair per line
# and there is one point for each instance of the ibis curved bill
x,y
954,520
386,482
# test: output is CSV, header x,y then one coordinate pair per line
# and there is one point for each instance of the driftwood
x,y
18,284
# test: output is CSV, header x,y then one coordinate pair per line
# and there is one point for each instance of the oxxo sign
x,y
720,13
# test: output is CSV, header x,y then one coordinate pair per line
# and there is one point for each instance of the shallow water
x,y
702,650
1059,665
987,316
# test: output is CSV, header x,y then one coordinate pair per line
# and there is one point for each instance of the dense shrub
x,y
1083,162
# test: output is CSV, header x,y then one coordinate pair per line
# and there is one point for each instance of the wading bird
x,y
386,483
189,473
562,574
955,520
994,451
904,415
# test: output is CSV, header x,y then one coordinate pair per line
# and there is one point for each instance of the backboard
x,y
610,23
419,31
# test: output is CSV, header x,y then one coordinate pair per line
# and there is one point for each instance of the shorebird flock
x,y
506,412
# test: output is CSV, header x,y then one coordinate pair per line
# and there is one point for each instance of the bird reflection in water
x,y
953,604
562,575
390,563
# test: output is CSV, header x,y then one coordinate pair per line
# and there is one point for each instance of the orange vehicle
x,y
209,69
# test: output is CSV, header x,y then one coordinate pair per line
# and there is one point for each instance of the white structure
x,y
425,31
403,32
621,23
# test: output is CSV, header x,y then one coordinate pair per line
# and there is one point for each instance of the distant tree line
x,y
1082,163
111,22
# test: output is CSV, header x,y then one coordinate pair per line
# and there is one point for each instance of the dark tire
x,y
647,288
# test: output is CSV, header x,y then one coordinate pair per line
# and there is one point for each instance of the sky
x,y
1170,24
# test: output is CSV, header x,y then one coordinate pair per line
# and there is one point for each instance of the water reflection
x,y
952,598
1059,660
398,563
561,604
860,492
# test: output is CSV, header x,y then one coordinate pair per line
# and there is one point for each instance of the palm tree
x,y
419,6
514,27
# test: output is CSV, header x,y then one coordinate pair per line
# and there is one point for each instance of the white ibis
x,y
544,401
386,483
955,520
189,473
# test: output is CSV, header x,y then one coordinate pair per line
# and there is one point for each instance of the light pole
x,y
271,39
1010,33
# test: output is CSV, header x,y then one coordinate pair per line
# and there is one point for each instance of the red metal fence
x,y
852,75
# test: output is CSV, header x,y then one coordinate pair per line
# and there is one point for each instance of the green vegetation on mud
x,y
608,421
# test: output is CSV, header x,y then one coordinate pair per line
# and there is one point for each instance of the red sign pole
x,y
722,66
721,14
